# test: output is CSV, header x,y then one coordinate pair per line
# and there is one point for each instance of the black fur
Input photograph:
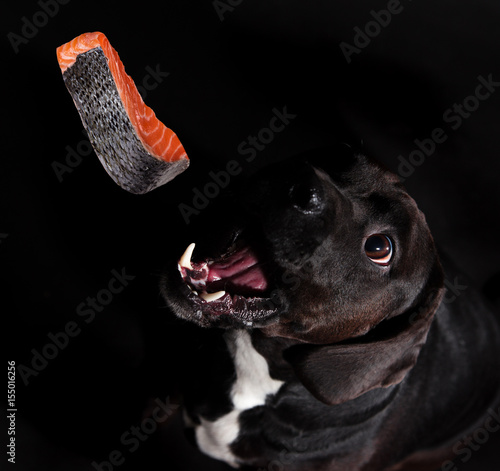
x,y
381,372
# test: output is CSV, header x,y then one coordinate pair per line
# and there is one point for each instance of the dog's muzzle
x,y
236,284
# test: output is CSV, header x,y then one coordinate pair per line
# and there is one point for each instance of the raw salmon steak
x,y
137,150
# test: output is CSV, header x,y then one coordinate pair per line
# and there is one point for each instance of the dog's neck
x,y
302,433
272,350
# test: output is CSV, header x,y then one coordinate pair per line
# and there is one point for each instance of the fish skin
x,y
138,151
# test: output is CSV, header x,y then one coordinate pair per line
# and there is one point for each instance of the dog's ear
x,y
340,372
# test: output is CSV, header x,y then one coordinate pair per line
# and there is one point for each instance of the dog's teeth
x,y
212,296
192,290
185,260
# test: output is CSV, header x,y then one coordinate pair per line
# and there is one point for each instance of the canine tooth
x,y
212,296
185,260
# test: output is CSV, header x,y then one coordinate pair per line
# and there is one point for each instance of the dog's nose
x,y
305,196
278,189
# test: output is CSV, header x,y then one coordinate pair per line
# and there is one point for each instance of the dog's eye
x,y
378,248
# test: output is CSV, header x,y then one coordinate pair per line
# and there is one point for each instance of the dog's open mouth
x,y
234,284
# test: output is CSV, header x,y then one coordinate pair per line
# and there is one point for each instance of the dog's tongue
x,y
240,270
238,273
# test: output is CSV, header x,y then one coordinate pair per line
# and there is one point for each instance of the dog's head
x,y
342,260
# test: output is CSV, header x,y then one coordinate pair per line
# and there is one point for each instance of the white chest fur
x,y
253,384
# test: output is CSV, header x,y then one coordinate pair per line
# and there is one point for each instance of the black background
x,y
61,239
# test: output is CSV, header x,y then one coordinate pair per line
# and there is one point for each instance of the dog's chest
x,y
253,384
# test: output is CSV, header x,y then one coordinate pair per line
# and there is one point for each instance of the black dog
x,y
334,347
